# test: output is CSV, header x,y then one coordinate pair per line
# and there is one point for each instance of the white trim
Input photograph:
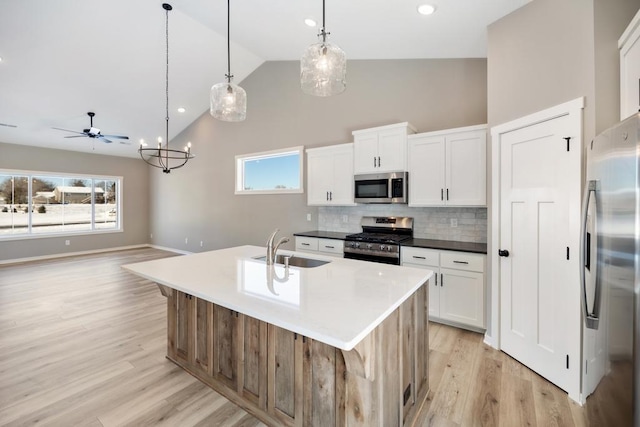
x,y
492,336
239,173
570,107
635,23
448,131
164,248
385,127
69,254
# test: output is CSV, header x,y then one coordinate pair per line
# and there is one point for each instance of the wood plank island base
x,y
291,364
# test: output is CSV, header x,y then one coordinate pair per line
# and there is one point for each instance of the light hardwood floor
x,y
82,342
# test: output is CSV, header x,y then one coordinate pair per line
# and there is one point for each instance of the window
x,y
44,204
272,172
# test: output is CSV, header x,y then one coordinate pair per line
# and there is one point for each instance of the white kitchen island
x,y
344,343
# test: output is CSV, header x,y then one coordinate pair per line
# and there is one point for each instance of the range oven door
x,y
373,258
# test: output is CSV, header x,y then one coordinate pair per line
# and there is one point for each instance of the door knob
x,y
503,252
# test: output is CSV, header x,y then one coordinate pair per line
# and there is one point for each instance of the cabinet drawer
x,y
462,261
306,244
420,256
331,245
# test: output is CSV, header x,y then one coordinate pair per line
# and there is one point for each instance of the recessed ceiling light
x,y
310,22
426,9
181,110
0,58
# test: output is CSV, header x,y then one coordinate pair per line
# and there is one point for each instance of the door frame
x,y
573,109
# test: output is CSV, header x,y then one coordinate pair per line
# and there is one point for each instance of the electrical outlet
x,y
345,218
186,240
454,222
67,242
201,243
308,217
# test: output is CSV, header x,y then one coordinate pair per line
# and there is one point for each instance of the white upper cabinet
x,y
629,45
381,149
330,175
448,168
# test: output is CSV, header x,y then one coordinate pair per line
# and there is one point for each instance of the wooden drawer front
x,y
331,245
306,244
462,261
428,257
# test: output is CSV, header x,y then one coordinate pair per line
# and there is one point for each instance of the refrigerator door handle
x,y
591,319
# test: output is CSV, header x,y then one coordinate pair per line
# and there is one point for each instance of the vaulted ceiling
x,y
63,58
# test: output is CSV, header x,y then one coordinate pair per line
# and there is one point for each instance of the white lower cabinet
x,y
330,247
457,288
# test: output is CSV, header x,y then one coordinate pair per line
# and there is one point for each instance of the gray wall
x,y
135,193
197,202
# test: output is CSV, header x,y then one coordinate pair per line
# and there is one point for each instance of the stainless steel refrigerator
x,y
611,276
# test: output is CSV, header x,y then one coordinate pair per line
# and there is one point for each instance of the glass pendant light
x,y
228,101
323,67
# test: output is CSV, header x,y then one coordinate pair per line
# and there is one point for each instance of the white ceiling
x,y
63,58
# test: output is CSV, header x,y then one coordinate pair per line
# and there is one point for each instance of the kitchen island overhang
x,y
235,322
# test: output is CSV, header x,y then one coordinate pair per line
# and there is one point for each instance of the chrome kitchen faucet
x,y
271,250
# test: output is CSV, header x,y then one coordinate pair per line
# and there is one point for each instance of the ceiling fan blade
x,y
124,142
8,125
75,136
102,138
116,136
68,130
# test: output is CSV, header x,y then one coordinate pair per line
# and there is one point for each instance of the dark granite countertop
x,y
323,234
448,245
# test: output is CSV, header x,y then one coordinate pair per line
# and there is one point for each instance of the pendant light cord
x,y
229,75
323,31
167,87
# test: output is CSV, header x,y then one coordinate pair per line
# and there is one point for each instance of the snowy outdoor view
x,y
53,204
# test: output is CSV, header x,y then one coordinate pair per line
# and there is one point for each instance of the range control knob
x,y
383,247
356,245
369,246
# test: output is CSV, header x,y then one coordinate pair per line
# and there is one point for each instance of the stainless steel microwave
x,y
388,187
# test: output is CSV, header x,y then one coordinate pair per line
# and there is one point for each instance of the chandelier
x,y
161,157
228,101
323,67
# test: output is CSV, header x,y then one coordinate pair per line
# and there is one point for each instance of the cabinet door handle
x,y
441,194
327,195
374,162
330,247
441,280
460,262
330,195
447,194
436,279
305,244
378,161
419,257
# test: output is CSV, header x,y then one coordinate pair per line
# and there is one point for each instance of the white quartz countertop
x,y
338,303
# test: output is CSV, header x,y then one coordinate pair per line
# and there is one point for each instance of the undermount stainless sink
x,y
296,261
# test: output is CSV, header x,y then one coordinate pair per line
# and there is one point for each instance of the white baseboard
x,y
164,248
68,254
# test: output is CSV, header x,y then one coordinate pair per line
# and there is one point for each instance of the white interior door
x,y
539,285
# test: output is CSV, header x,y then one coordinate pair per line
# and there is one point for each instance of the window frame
x,y
240,159
30,175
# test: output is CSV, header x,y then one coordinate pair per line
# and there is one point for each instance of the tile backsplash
x,y
428,223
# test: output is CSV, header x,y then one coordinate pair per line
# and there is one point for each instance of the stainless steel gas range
x,y
380,239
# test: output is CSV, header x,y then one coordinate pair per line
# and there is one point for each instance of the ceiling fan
x,y
94,133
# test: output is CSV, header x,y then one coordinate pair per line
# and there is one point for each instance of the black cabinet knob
x,y
503,252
